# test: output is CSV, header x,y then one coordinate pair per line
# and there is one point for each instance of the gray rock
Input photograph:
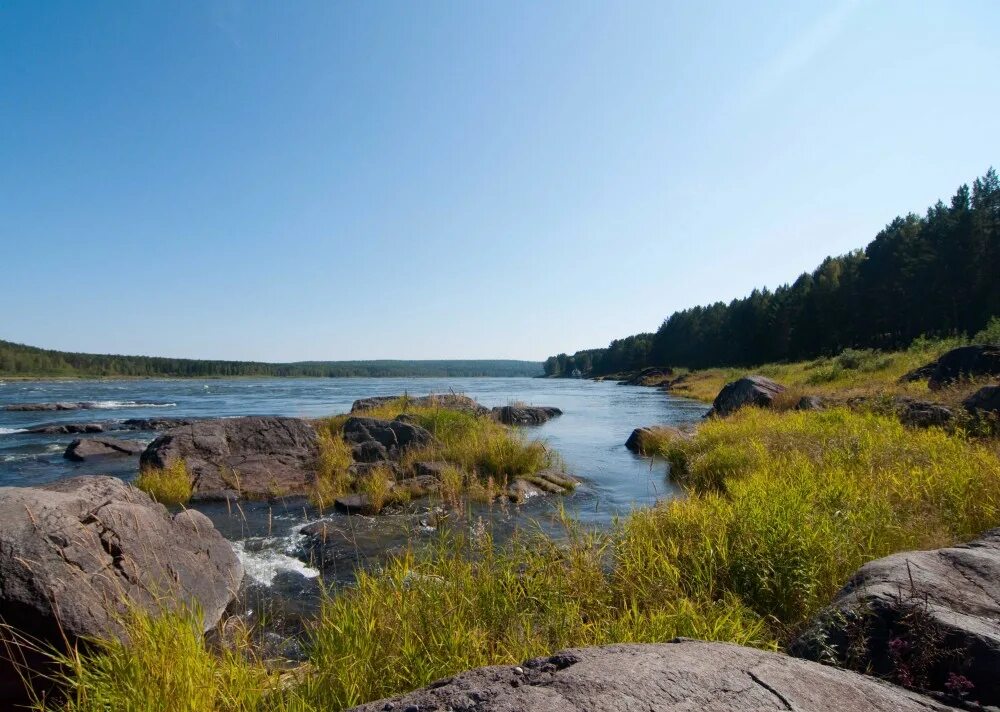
x,y
922,414
919,614
155,424
451,401
75,554
373,440
80,450
639,440
809,403
964,363
37,407
680,676
985,400
525,414
752,390
66,428
430,469
258,457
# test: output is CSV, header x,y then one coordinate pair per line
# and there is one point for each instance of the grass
x,y
852,373
170,485
781,508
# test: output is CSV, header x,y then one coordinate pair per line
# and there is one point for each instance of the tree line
x,y
21,360
935,274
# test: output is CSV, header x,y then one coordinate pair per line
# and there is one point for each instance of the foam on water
x,y
117,404
11,431
265,565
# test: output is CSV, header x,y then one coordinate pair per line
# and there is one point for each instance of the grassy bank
x,y
780,509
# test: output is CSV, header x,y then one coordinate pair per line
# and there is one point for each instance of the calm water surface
x,y
589,436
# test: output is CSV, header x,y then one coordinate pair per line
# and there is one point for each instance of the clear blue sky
x,y
320,180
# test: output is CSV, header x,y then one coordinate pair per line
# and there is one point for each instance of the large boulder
x,y
680,676
752,390
374,440
77,554
985,400
926,618
525,414
643,440
256,457
964,363
80,450
451,401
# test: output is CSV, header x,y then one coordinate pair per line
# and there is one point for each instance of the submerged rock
x,y
752,390
932,616
33,407
76,554
680,676
525,414
255,457
80,450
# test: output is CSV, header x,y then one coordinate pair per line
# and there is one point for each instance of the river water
x,y
597,418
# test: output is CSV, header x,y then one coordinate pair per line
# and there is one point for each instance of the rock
x,y
919,614
373,440
66,428
919,374
922,414
525,414
80,450
430,469
155,424
521,490
32,407
964,363
752,390
417,486
78,553
809,403
650,376
985,400
364,469
256,456
452,401
641,438
680,676
357,503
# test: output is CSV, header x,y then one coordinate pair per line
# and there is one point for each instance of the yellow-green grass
x,y
779,510
167,485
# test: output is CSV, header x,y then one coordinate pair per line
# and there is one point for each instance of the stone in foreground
x,y
943,602
75,554
256,457
80,450
752,390
681,676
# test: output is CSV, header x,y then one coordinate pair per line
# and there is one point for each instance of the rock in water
x,y
525,414
80,450
681,676
752,390
963,363
256,457
75,554
943,604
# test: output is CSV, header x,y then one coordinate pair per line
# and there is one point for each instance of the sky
x,y
329,180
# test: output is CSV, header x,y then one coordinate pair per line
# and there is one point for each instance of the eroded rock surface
x,y
374,440
80,450
525,414
75,553
452,401
681,676
922,615
752,390
256,457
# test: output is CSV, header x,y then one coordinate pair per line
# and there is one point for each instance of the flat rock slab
x,y
891,607
525,415
258,457
66,428
681,676
75,554
451,401
80,450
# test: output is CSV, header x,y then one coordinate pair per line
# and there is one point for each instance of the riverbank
x,y
780,508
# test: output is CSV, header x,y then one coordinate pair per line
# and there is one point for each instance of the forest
x,y
26,361
932,275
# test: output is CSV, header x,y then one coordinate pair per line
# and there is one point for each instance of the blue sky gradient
x,y
320,180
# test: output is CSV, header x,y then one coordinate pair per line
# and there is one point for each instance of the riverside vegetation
x,y
779,508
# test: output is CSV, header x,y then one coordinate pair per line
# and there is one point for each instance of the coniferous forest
x,y
937,274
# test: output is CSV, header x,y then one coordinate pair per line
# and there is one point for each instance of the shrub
x,y
167,485
990,335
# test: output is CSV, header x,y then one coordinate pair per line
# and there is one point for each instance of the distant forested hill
x,y
935,274
20,360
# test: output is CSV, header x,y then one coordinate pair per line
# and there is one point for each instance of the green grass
x,y
169,485
781,509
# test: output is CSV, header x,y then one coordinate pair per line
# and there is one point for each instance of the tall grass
x,y
780,509
169,485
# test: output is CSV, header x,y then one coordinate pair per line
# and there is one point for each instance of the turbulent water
x,y
590,437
